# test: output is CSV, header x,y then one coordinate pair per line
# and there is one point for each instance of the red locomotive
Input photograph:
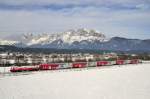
x,y
20,69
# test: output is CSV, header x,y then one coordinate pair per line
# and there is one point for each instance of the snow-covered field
x,y
4,69
124,82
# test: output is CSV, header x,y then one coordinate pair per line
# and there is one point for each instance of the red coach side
x,y
120,62
134,61
102,63
49,66
79,65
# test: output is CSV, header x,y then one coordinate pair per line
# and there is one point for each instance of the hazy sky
x,y
126,18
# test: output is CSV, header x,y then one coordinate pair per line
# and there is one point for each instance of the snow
x,y
4,69
124,82
67,37
39,40
78,38
81,35
7,42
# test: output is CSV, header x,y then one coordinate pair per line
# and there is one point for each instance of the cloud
x,y
60,4
127,18
27,2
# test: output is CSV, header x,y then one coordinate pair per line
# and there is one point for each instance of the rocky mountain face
x,y
81,39
68,37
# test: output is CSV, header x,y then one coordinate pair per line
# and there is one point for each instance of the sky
x,y
125,18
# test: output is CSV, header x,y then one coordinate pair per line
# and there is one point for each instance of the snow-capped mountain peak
x,y
82,35
67,37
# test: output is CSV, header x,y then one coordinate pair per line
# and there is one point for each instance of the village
x,y
23,59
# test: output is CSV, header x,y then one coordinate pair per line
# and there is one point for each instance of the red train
x,y
55,66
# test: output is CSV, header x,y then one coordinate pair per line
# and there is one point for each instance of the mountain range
x,y
79,39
